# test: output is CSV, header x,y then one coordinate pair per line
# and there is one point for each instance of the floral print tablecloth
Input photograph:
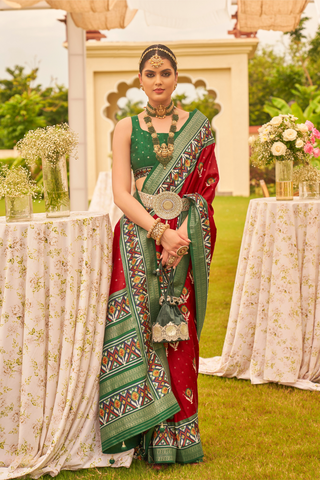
x,y
273,332
54,286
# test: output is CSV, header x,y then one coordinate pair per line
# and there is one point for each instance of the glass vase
x,y
284,183
55,181
18,209
309,190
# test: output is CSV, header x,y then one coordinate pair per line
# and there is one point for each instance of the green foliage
x,y
273,74
308,97
19,115
269,76
206,104
25,105
129,110
19,83
55,104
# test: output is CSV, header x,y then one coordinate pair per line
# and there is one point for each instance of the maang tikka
x,y
156,61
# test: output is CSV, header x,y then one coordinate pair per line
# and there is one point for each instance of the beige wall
x,y
222,65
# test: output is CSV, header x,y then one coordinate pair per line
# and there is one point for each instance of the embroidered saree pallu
x,y
148,390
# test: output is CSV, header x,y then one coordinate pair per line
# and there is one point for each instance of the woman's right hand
x,y
171,240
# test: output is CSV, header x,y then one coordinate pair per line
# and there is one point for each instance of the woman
x,y
148,384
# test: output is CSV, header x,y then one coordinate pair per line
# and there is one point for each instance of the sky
x,y
34,38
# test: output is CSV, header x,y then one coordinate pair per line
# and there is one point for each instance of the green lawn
x,y
248,432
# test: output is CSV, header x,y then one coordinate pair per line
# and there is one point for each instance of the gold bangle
x,y
155,223
164,227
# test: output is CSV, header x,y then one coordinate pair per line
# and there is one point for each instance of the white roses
x,y
302,127
289,134
299,143
278,148
276,121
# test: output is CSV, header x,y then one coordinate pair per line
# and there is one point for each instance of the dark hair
x,y
152,51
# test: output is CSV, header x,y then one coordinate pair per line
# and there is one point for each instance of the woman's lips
x,y
159,90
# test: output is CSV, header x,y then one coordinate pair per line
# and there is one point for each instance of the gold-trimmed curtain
x,y
279,15
89,14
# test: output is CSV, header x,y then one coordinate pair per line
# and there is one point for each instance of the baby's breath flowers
x,y
50,143
306,174
282,139
16,182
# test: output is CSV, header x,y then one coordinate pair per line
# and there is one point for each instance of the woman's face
x,y
158,83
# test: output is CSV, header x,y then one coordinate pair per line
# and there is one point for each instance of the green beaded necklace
x,y
164,153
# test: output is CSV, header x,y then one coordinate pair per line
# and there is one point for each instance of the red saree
x,y
148,391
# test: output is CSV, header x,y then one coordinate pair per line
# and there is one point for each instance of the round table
x,y
54,287
273,333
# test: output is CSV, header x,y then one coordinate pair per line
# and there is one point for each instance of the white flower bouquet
x,y
283,139
49,143
306,174
16,182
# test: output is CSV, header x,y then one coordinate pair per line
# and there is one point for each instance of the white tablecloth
x,y
273,332
54,287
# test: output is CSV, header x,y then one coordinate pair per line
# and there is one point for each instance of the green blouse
x,y
142,155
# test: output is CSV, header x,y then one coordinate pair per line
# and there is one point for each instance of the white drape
x,y
183,13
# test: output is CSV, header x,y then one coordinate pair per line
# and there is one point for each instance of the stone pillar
x,y
78,113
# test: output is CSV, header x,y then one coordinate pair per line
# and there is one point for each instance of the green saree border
x,y
142,420
199,262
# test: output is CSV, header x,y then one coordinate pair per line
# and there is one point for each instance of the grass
x,y
249,432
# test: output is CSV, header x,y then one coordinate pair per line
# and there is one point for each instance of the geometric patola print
x,y
139,291
138,279
157,376
177,436
118,308
124,402
188,159
120,353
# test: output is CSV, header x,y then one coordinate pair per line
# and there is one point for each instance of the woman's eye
x,y
150,75
167,74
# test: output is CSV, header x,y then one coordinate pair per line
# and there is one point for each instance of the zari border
x,y
200,249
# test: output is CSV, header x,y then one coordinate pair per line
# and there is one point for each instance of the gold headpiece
x,y
156,61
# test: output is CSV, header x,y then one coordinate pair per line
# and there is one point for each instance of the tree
x,y
130,109
19,83
19,115
269,76
206,104
55,104
25,105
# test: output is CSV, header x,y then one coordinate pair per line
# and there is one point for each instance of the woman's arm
x,y
121,181
121,177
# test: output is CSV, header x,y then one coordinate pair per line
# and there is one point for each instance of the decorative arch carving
x,y
110,109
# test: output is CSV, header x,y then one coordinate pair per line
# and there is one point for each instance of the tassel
x,y
123,446
112,461
162,428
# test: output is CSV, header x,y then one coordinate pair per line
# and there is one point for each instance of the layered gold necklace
x,y
164,153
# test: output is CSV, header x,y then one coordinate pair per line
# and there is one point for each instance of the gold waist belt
x,y
166,205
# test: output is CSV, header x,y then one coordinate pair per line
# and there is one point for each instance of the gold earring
x,y
175,86
141,87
